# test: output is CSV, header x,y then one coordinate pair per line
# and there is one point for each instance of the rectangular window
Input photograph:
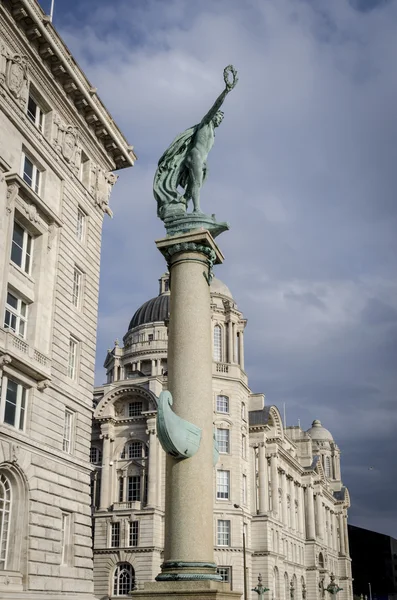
x,y
223,533
121,489
222,485
225,573
21,248
135,409
72,362
115,535
222,404
150,337
16,312
243,411
223,439
66,522
134,533
135,450
134,489
35,113
31,174
80,225
244,489
13,403
244,446
84,169
68,431
77,287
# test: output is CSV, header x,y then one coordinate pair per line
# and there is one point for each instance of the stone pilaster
x,y
263,480
310,520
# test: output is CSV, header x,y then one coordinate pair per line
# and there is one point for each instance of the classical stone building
x,y
277,491
58,150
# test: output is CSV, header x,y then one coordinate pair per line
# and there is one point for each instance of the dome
x,y
218,287
318,432
158,308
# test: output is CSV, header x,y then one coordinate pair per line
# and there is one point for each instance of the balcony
x,y
23,356
128,505
228,370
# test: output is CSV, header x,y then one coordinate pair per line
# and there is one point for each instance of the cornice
x,y
26,191
54,55
129,549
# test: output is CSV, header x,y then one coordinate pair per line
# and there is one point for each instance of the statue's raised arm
x,y
184,165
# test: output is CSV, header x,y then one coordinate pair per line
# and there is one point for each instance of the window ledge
x,y
25,190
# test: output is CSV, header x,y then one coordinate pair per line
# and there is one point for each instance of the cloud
x,y
303,168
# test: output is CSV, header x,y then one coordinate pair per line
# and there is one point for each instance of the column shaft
x,y
241,339
263,480
104,500
294,524
320,517
310,523
342,548
274,482
152,469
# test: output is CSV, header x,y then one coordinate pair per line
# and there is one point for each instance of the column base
x,y
196,590
172,570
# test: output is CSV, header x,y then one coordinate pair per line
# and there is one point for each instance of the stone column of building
x,y
334,529
346,535
263,479
294,524
274,482
241,349
189,536
320,516
310,520
154,370
152,471
342,548
107,436
230,354
284,506
158,366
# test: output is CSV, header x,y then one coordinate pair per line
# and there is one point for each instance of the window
x,y
135,409
244,446
223,537
80,225
223,439
72,364
121,489
123,579
244,489
77,287
243,411
115,535
217,343
35,113
132,450
21,249
68,431
95,456
134,533
225,573
328,467
222,485
134,489
5,510
84,173
150,337
167,285
15,316
222,404
31,174
13,403
65,536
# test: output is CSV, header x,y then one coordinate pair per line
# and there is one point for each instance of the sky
x,y
304,168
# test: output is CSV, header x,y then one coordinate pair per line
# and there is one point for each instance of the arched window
x,y
286,586
133,449
217,343
328,471
321,560
303,587
123,579
276,584
5,516
95,455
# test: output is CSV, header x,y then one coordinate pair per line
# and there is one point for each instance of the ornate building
x,y
58,148
279,502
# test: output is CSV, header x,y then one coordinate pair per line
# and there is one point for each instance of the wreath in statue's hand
x,y
227,72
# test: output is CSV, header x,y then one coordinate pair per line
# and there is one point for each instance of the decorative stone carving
x,y
119,409
5,359
31,213
103,183
15,451
4,55
66,142
52,231
43,385
12,192
17,77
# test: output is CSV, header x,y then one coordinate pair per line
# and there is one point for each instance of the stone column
x,y
153,482
107,437
310,522
346,535
241,351
301,524
230,356
153,372
320,517
274,482
342,548
189,535
159,366
263,480
284,506
294,524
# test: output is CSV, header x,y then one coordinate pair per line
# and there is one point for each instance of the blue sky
x,y
304,168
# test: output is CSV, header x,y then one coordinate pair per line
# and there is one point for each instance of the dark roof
x,y
156,309
259,417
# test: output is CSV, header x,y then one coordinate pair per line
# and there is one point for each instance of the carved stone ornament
x,y
31,213
12,192
66,142
103,184
4,55
43,385
119,409
15,451
5,359
52,231
14,73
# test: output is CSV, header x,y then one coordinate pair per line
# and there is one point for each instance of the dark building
x,y
374,563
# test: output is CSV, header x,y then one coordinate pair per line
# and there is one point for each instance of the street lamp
x,y
260,589
370,591
244,557
333,587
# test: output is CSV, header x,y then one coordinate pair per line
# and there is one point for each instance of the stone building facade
x,y
277,491
58,150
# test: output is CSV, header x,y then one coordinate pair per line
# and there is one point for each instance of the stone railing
x,y
31,360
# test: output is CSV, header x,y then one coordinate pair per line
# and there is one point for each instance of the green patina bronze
x,y
193,247
184,165
260,589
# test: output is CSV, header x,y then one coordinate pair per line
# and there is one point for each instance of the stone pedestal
x,y
197,590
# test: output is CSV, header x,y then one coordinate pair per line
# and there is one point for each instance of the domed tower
x,y
323,445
